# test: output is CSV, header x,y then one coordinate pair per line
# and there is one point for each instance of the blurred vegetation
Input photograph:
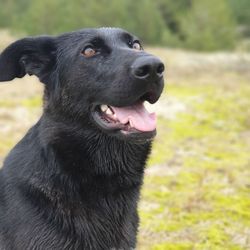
x,y
194,24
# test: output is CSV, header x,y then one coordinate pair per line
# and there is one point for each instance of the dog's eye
x,y
137,45
89,51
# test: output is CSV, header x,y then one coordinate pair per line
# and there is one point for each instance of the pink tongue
x,y
137,116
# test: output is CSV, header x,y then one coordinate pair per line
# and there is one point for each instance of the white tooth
x,y
109,111
131,124
104,108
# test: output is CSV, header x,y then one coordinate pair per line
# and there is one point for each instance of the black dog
x,y
73,181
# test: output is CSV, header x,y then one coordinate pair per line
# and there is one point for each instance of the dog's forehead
x,y
106,33
113,34
110,35
111,31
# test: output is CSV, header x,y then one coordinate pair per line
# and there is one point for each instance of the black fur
x,y
68,184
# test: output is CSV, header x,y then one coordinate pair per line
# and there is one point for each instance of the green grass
x,y
7,118
31,102
200,198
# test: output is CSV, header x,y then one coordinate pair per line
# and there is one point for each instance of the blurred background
x,y
196,193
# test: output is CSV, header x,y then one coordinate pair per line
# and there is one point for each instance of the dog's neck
x,y
81,168
81,152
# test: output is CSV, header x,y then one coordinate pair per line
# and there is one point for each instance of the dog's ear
x,y
33,56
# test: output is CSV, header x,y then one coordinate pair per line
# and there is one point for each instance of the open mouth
x,y
133,121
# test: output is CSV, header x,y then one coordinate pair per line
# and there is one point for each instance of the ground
x,y
196,193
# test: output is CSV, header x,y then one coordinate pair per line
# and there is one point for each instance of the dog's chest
x,y
109,223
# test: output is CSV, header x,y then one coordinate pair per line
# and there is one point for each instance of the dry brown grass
x,y
5,38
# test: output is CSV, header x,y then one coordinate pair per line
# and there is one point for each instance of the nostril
x,y
142,71
147,68
160,69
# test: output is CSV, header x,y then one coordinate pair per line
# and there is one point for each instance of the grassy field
x,y
196,194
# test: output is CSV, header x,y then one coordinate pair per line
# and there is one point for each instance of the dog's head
x,y
102,76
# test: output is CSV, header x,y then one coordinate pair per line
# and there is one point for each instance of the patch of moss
x,y
5,145
7,104
33,102
173,246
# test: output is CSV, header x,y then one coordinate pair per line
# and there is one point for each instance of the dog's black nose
x,y
147,67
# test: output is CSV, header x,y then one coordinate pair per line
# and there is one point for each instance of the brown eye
x,y
137,46
88,52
